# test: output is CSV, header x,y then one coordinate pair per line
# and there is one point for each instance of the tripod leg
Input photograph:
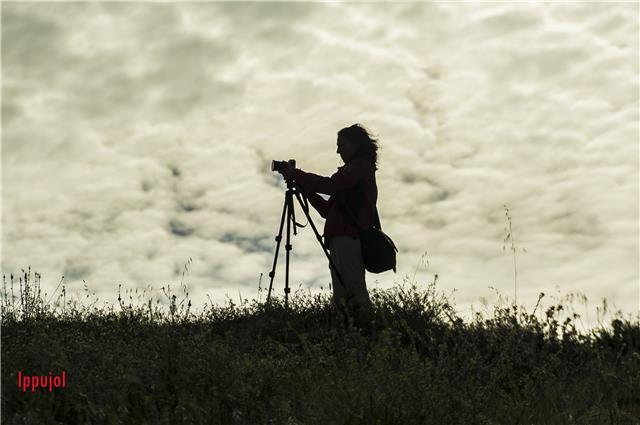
x,y
275,257
319,238
342,307
287,247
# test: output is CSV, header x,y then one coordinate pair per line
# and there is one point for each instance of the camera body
x,y
281,165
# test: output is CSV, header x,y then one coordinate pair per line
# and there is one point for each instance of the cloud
x,y
139,135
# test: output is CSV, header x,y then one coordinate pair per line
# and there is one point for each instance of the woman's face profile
x,y
346,149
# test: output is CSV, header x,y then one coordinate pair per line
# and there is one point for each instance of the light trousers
x,y
346,254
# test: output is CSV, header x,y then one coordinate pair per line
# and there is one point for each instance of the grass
x,y
252,363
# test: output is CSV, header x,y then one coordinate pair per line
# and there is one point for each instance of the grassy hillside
x,y
258,364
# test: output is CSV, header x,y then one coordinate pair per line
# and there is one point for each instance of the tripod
x,y
288,212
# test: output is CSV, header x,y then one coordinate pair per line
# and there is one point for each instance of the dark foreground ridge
x,y
258,364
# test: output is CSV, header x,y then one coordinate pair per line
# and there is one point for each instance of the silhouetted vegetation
x,y
256,364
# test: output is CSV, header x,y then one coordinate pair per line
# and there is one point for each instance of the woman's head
x,y
356,142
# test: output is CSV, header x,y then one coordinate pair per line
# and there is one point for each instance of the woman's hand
x,y
287,172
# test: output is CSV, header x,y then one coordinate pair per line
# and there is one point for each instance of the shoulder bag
x,y
378,250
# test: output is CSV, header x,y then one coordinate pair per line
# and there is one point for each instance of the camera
x,y
281,165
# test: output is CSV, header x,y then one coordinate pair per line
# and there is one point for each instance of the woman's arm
x,y
321,205
316,200
346,177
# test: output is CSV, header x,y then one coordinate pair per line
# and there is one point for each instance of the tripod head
x,y
291,185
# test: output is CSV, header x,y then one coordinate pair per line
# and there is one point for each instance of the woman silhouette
x,y
351,206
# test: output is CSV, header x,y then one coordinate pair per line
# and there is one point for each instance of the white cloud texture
x,y
138,135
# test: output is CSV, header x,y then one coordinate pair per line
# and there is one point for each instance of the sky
x,y
137,140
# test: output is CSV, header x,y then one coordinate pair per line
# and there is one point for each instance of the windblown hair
x,y
367,145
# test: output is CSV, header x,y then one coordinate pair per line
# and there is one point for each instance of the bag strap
x,y
375,209
349,217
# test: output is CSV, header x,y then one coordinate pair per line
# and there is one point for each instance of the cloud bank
x,y
138,135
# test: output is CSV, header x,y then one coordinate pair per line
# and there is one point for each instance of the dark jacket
x,y
355,184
